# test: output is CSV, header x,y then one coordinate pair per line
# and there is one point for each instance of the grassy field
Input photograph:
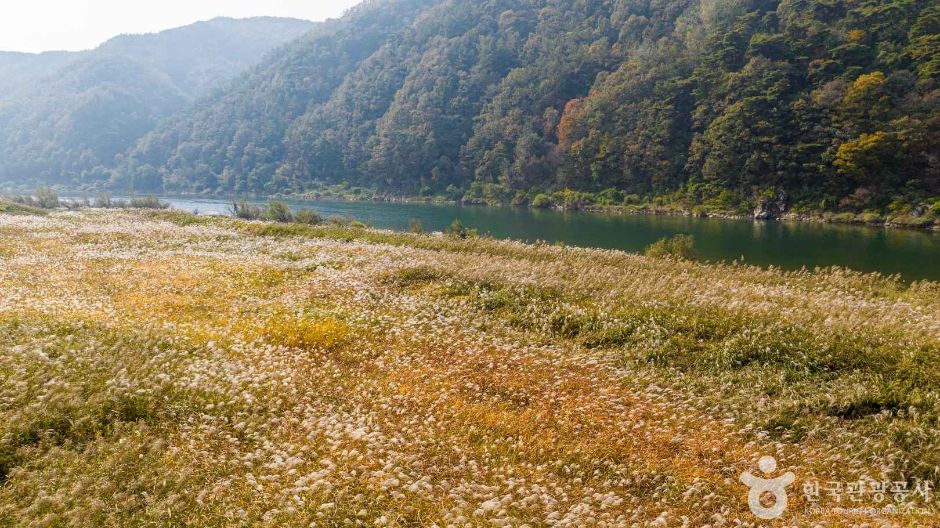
x,y
163,369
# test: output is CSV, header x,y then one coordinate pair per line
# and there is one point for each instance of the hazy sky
x,y
43,25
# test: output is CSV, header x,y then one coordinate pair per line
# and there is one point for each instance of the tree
x,y
867,158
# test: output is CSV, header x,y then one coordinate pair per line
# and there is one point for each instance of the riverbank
x,y
199,370
924,217
924,222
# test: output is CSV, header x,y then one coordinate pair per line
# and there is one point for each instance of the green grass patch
x,y
59,392
11,208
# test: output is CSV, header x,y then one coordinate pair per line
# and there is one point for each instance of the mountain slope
x,y
64,114
823,104
21,69
233,140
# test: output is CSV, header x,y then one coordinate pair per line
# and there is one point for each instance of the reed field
x,y
163,369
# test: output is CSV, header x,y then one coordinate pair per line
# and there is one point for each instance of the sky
x,y
45,25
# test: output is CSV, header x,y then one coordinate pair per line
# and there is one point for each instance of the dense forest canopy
x,y
827,104
69,116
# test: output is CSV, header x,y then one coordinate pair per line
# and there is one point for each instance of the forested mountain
x,y
825,104
237,140
65,116
22,69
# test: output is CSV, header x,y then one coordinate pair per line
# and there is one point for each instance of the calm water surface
x,y
790,245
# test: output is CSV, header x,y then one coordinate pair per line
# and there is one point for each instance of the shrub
x,y
496,193
148,202
574,200
245,211
414,225
278,212
842,218
453,194
520,199
679,247
934,211
610,197
103,200
728,201
457,230
308,216
542,201
47,198
912,221
72,205
871,217
339,220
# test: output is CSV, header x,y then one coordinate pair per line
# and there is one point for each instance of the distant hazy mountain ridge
x,y
64,115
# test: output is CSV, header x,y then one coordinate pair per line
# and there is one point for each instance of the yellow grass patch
x,y
306,333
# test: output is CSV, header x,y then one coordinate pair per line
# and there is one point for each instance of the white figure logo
x,y
759,486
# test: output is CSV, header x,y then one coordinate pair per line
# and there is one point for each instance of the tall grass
x,y
282,374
